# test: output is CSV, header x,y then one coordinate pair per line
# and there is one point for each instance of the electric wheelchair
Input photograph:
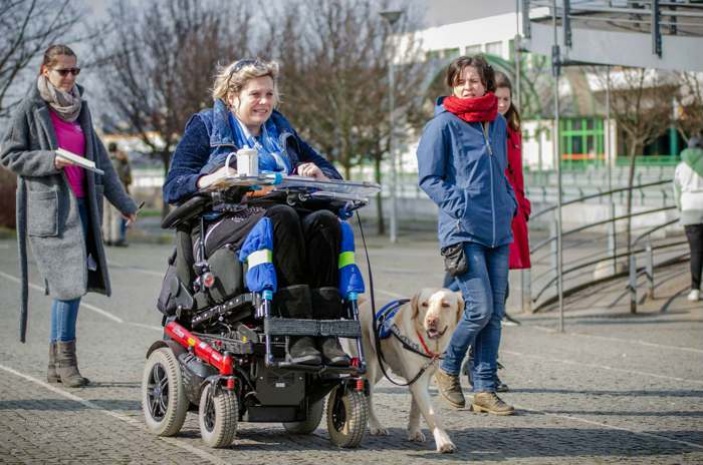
x,y
223,350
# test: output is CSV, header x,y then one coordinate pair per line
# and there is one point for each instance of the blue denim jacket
x,y
464,174
208,139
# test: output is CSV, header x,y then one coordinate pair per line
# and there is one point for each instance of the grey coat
x,y
47,210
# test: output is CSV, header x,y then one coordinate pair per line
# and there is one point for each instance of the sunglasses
x,y
64,72
247,62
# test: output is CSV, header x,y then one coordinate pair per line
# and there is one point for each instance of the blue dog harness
x,y
384,317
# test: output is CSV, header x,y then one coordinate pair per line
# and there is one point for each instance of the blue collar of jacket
x,y
221,130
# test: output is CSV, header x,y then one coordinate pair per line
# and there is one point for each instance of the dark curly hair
x,y
485,71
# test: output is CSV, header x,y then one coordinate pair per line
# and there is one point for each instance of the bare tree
x,y
335,77
689,100
162,62
641,103
27,28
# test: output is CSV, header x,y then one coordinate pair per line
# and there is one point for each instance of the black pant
x,y
694,233
306,245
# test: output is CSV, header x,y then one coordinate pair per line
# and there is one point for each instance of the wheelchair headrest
x,y
188,210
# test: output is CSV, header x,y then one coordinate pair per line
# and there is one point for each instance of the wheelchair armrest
x,y
187,211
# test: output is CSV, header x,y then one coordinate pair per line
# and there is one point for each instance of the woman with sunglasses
x,y
306,247
462,162
59,203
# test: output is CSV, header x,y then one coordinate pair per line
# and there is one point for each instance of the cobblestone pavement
x,y
613,388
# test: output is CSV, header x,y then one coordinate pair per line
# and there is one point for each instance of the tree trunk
x,y
634,149
381,228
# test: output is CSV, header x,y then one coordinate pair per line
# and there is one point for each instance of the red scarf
x,y
473,110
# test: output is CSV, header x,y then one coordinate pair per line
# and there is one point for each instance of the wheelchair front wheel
x,y
164,401
347,413
312,420
217,415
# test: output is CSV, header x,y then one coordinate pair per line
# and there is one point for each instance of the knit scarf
x,y
473,110
66,104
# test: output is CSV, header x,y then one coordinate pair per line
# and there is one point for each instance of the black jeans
x,y
306,245
694,233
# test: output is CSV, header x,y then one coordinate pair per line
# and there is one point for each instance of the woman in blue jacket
x,y
462,160
305,249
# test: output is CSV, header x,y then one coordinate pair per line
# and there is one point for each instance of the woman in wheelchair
x,y
306,245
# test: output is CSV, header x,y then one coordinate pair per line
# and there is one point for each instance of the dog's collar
x,y
424,346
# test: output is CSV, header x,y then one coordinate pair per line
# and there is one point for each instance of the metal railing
x,y
578,267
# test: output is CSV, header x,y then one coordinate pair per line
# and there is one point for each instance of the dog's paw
x,y
378,431
416,436
446,448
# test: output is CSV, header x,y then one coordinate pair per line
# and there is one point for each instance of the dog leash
x,y
377,342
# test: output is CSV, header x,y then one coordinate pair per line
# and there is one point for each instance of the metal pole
x,y
609,161
394,180
392,17
518,57
556,63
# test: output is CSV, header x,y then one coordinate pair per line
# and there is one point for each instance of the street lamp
x,y
392,18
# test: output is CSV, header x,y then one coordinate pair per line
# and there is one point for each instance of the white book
x,y
78,160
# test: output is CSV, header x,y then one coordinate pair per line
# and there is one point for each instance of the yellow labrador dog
x,y
420,331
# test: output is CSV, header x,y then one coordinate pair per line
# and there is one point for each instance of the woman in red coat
x,y
520,247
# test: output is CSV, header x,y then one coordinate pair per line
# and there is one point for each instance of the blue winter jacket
x,y
464,174
209,134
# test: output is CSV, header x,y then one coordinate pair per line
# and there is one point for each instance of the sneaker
x,y
489,402
450,388
694,295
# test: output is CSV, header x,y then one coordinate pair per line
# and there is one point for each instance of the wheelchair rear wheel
x,y
217,415
311,422
164,401
347,412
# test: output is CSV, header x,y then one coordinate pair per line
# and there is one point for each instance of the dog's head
x,y
436,312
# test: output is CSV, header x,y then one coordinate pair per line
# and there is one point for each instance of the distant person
x,y
114,224
59,203
688,193
462,161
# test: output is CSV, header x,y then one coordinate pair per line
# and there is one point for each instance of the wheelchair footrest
x,y
298,327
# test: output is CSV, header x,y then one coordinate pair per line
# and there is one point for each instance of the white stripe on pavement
x,y
88,306
131,421
605,425
619,339
601,367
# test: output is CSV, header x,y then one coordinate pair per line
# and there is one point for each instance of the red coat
x,y
520,247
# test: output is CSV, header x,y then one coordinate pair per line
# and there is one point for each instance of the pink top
x,y
70,137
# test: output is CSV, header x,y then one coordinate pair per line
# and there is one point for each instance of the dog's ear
x,y
459,305
414,305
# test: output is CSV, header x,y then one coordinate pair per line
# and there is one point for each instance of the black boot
x,y
327,305
294,302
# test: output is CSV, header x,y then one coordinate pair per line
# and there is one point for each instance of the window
x,y
473,49
451,52
494,48
582,141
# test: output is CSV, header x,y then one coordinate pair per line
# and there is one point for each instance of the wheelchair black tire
x,y
217,416
347,414
164,400
314,413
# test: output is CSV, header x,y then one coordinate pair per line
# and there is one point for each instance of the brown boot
x,y
67,365
450,388
489,402
51,375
